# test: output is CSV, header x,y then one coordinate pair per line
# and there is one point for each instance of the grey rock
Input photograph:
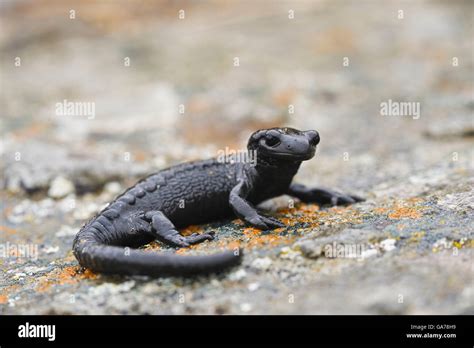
x,y
60,187
41,164
356,239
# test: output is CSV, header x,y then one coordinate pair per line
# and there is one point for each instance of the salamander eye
x,y
271,140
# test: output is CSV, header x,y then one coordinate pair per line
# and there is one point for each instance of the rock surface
x,y
406,250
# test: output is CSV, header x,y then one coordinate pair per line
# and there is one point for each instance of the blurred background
x,y
178,80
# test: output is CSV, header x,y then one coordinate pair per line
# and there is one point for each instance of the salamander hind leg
x,y
164,230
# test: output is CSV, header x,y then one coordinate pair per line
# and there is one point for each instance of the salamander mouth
x,y
292,156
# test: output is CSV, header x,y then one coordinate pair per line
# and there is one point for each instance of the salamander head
x,y
285,144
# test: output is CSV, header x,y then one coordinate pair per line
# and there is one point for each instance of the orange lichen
x,y
152,246
88,274
62,276
251,232
414,200
13,252
380,210
409,208
34,129
405,212
287,221
269,240
8,290
238,222
309,208
3,299
190,230
139,155
233,245
308,216
284,97
8,230
43,286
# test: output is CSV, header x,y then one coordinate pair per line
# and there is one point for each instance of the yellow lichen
x,y
417,236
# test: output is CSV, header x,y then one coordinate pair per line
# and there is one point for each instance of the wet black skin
x,y
193,193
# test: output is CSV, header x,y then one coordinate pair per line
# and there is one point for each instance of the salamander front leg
x,y
248,213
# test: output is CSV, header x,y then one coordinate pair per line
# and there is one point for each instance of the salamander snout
x,y
313,137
